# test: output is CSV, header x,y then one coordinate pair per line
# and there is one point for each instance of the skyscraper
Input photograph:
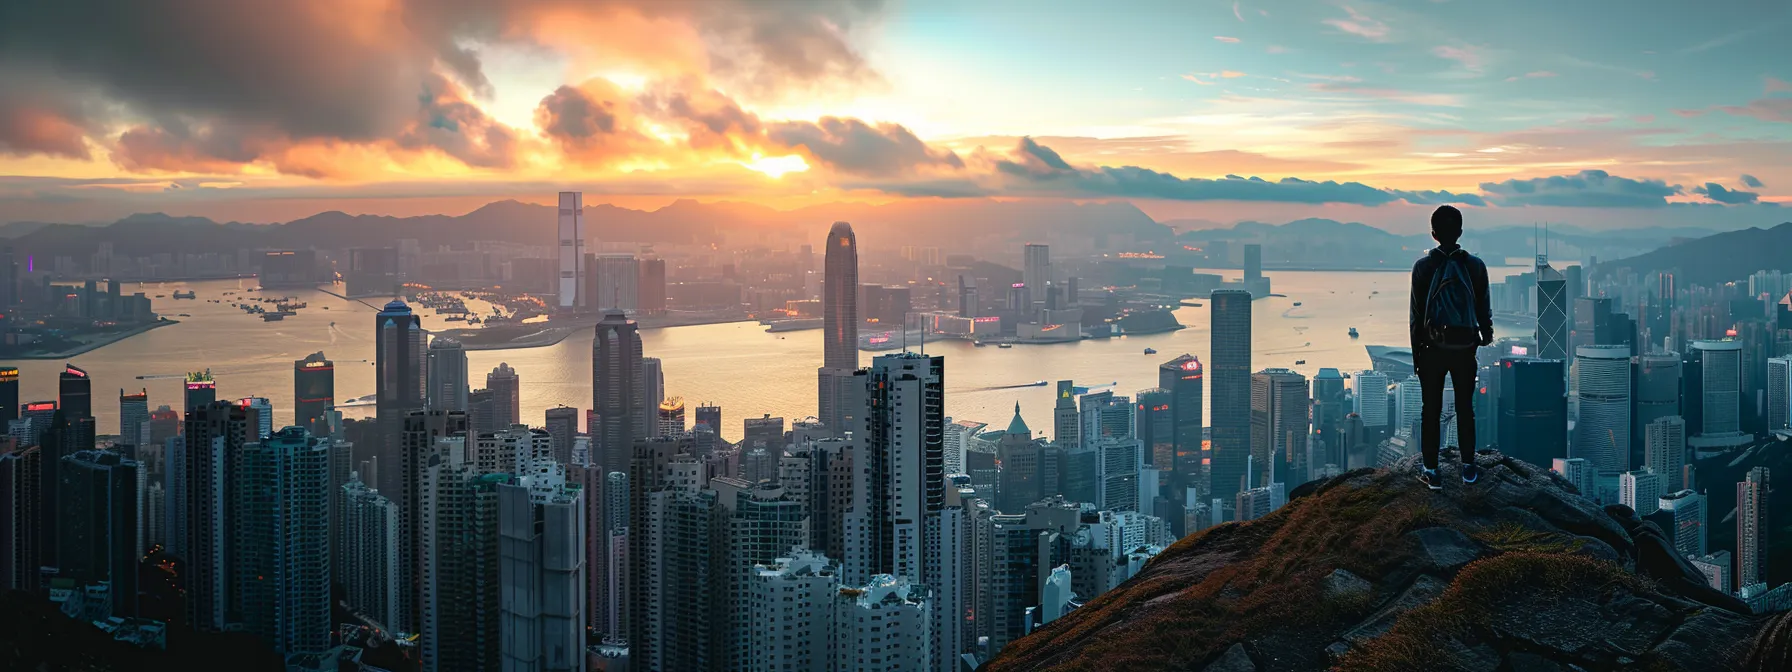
x,y
370,540
902,466
75,396
1688,532
261,416
653,391
541,542
1641,491
1751,527
709,414
9,390
280,547
1779,394
671,417
1602,434
1328,417
1664,451
840,305
1552,313
840,339
1231,404
562,423
1036,273
1533,421
1279,427
1154,425
1720,402
399,386
1657,390
1184,378
572,249
1064,419
447,375
617,394
1371,401
507,395
313,391
213,441
99,536
202,390
133,418
417,451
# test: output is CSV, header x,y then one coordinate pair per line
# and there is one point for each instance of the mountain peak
x,y
1371,571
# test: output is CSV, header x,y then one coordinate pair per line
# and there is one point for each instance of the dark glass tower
x,y
9,394
75,393
1184,377
202,390
313,391
840,302
400,349
1231,371
98,540
618,391
1533,419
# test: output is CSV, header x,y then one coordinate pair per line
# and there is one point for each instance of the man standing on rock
x,y
1450,317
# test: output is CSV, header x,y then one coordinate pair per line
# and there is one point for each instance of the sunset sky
x,y
1599,113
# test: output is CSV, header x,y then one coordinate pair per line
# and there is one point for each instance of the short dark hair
x,y
1446,223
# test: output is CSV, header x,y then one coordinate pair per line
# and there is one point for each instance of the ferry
x,y
796,324
1150,351
1296,304
189,294
979,344
1299,362
1004,346
273,317
1353,333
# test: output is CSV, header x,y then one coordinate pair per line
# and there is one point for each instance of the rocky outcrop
x,y
1371,571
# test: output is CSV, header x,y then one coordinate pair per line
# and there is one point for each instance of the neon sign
x,y
1191,365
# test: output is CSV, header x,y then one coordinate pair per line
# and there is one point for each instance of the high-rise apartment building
x,y
370,550
1231,405
1664,451
541,546
1689,533
1751,527
280,544
792,602
1641,491
9,388
447,376
418,449
99,519
213,440
1064,421
1779,394
261,416
202,389
1371,401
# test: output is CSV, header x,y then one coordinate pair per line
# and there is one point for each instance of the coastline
x,y
553,335
108,339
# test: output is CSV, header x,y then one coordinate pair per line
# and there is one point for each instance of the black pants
x,y
1432,365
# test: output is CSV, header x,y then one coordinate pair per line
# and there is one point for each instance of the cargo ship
x,y
798,324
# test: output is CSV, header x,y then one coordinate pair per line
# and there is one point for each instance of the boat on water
x,y
1296,304
273,317
1004,346
1150,351
979,344
1353,333
1299,362
797,324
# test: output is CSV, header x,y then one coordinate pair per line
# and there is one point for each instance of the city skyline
x,y
1363,111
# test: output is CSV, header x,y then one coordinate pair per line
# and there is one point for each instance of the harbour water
x,y
739,366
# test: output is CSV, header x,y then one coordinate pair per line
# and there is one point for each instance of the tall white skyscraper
x,y
572,248
1409,401
1036,272
1640,490
792,604
1602,435
882,626
1372,399
1664,451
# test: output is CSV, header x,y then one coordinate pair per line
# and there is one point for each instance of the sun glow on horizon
x,y
776,166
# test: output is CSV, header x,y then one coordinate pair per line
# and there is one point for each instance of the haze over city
x,y
895,335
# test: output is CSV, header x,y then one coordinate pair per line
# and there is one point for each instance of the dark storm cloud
x,y
1035,167
575,115
855,147
1588,188
1717,192
1752,181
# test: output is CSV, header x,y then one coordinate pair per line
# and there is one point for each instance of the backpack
x,y
1450,321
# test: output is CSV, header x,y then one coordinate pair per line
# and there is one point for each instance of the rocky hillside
x,y
1371,571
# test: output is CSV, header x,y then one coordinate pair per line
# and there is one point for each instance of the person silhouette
x,y
1450,317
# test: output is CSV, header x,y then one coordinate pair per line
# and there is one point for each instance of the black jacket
x,y
1422,270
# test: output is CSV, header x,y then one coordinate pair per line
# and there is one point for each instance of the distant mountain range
x,y
976,226
1715,259
955,224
